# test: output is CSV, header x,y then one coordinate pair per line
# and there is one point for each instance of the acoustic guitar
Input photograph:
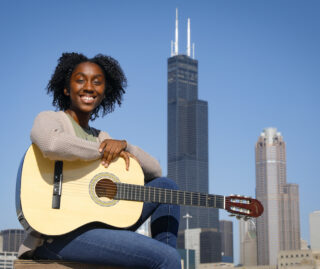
x,y
55,197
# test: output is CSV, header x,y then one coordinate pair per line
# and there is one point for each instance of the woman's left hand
x,y
113,149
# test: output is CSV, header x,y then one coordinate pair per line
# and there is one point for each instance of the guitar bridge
x,y
57,184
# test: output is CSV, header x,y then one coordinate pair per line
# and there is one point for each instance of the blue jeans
x,y
124,247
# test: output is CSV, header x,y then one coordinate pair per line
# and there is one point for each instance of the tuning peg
x,y
231,215
246,218
238,217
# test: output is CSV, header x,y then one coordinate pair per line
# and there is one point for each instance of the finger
x,y
103,145
126,158
112,155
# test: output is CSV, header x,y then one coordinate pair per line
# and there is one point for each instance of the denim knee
x,y
164,182
173,259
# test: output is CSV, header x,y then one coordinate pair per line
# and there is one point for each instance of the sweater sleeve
x,y
150,166
56,143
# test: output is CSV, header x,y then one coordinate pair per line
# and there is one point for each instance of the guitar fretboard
x,y
167,196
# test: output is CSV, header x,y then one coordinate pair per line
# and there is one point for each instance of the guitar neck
x,y
167,196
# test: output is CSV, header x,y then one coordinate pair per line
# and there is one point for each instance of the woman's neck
x,y
81,118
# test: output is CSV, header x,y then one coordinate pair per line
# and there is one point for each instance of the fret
x,y
165,196
129,193
138,198
160,194
181,198
134,192
187,198
194,198
202,200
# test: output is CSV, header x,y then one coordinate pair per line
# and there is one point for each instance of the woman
x,y
82,90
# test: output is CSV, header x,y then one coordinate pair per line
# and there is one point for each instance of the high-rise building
x,y
7,259
226,230
248,243
279,227
206,242
188,134
314,223
12,239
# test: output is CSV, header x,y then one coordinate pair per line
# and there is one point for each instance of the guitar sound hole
x,y
106,188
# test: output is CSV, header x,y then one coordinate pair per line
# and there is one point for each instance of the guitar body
x,y
80,200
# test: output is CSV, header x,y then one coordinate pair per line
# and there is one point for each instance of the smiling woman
x,y
82,90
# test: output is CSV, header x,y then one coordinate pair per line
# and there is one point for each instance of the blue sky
x,y
259,66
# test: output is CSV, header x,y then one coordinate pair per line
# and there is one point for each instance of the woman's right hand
x,y
113,149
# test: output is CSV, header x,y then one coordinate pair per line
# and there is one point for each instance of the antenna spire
x,y
192,50
188,39
176,48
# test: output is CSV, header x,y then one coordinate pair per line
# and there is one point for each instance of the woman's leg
x,y
110,247
124,248
164,217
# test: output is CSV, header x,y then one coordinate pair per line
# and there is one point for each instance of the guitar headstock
x,y
243,207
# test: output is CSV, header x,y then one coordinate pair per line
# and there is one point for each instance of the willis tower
x,y
188,134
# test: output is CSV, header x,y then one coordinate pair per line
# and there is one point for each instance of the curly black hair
x,y
115,81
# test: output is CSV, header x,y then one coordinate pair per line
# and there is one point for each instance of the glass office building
x,y
188,138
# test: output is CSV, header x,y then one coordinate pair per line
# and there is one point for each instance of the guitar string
x,y
159,191
187,202
115,186
175,200
130,193
130,187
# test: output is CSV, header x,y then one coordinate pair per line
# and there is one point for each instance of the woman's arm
x,y
53,134
149,164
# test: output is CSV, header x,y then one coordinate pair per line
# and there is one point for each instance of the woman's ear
x,y
66,92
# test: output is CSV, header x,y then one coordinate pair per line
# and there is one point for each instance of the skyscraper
x,y
248,243
279,226
12,239
188,134
314,222
226,230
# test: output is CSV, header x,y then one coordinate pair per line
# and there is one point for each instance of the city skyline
x,y
249,52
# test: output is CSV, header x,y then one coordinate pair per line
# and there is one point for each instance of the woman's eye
x,y
97,82
80,80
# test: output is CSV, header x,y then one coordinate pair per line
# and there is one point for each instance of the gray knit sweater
x,y
54,134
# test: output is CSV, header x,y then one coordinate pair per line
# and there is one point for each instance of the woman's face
x,y
87,86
